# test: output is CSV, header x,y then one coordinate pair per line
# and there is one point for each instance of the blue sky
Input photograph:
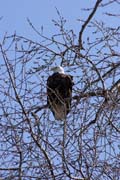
x,y
40,12
14,15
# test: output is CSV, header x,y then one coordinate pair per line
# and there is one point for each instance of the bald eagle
x,y
59,93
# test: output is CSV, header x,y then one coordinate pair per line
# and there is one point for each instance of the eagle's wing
x,y
59,92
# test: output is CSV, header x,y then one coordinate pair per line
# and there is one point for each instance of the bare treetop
x,y
33,145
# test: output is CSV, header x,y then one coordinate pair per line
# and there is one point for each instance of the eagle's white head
x,y
58,69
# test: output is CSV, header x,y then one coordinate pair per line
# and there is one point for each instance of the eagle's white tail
x,y
60,112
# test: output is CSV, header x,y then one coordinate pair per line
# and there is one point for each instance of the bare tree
x,y
32,143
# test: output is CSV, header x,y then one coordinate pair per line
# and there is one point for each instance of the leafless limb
x,y
33,145
87,21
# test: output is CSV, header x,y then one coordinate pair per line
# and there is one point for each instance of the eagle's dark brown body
x,y
59,91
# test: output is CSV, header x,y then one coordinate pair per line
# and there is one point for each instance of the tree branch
x,y
86,23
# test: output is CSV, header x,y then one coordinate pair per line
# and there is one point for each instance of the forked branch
x,y
86,23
